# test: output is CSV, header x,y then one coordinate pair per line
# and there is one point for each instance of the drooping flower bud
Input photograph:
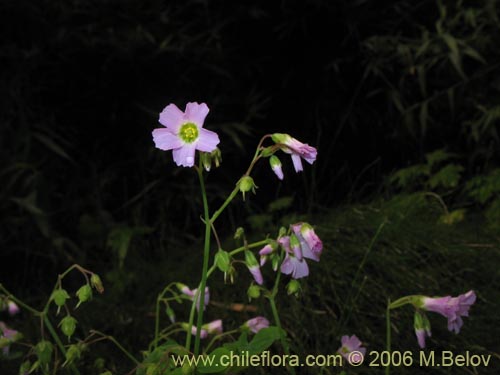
x,y
96,282
275,163
84,294
253,292
293,287
246,184
44,351
223,260
422,328
170,313
59,296
253,267
68,325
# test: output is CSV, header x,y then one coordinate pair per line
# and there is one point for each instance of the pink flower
x,y
256,324
9,334
214,327
350,345
191,293
292,265
264,252
296,148
452,308
12,308
184,133
310,243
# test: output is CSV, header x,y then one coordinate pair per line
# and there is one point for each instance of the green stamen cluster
x,y
188,132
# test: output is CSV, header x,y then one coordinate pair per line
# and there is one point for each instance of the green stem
x,y
276,316
157,315
219,337
118,345
56,338
388,333
206,255
349,300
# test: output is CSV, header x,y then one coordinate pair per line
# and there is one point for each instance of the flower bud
x,y
223,260
96,282
59,296
12,308
68,325
44,351
268,151
84,294
253,292
240,232
170,313
246,184
275,163
73,353
293,287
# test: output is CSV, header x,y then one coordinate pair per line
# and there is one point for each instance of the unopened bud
x,y
293,287
240,232
223,260
275,163
68,325
96,282
44,351
253,292
59,296
170,313
246,184
84,294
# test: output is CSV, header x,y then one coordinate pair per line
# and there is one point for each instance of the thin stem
x,y
206,255
157,315
349,301
56,338
388,333
276,316
118,345
219,337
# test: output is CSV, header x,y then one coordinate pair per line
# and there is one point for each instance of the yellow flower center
x,y
188,132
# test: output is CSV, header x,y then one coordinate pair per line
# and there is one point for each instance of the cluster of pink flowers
x,y
302,243
296,149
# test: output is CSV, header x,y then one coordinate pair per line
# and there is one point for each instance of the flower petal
x,y
196,113
297,163
171,117
207,140
184,156
164,139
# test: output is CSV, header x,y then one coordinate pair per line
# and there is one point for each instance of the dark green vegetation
x,y
403,98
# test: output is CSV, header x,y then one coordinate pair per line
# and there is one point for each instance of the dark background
x,y
374,85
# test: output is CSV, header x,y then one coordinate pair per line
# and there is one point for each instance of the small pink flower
x,y
191,293
12,308
9,334
298,268
184,133
264,252
350,345
421,335
214,327
452,308
309,241
257,275
296,148
422,328
256,324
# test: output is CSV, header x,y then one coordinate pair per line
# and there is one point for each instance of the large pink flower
x,y
297,149
453,308
184,133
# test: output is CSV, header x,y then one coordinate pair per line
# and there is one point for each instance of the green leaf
x,y
405,177
264,339
215,358
280,204
437,156
447,177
